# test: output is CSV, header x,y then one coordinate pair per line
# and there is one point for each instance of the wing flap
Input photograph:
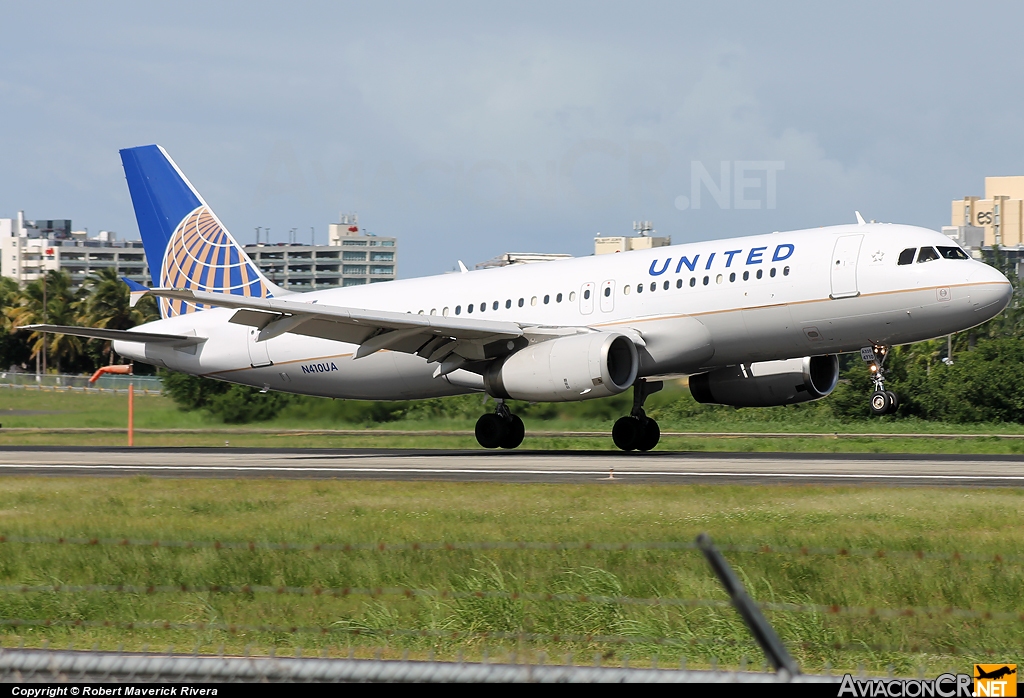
x,y
455,327
372,330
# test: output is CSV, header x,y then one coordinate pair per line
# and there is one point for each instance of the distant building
x,y
351,258
980,224
510,258
28,249
643,241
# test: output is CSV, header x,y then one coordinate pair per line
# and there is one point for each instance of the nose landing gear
x,y
500,429
638,431
882,401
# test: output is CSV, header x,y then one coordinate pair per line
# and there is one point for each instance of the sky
x,y
471,129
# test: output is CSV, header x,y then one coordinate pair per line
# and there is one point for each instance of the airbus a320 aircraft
x,y
754,321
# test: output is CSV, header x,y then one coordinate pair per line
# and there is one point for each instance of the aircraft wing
x,y
117,335
452,341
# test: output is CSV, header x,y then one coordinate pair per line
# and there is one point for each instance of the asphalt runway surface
x,y
663,467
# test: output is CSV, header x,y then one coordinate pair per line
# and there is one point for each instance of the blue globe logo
x,y
202,256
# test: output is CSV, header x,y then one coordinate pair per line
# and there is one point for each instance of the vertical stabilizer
x,y
187,246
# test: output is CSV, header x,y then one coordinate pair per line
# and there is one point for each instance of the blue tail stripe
x,y
161,199
186,245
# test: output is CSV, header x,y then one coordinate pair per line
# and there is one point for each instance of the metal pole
x,y
46,318
755,621
131,414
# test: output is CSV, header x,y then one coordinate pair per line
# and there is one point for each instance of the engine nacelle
x,y
577,367
768,383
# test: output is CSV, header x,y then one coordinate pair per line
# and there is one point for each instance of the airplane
x,y
994,674
753,321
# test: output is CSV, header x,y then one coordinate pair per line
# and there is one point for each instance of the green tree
x,y
13,348
105,304
58,308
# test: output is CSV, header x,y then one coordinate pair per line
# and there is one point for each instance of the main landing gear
x,y
638,431
882,401
500,429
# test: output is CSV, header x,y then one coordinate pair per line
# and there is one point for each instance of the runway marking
x,y
487,471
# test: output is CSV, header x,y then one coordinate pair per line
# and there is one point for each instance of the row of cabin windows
x,y
928,254
707,280
482,307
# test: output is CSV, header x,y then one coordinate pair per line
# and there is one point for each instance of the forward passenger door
x,y
844,266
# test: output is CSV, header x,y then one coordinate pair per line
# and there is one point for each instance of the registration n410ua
x,y
754,321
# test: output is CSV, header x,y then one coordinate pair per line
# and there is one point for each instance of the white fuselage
x,y
820,291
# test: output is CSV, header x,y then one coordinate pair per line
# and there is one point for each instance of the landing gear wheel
x,y
649,436
894,401
515,431
881,403
491,431
625,433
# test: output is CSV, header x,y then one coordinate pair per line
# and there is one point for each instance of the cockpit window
x,y
927,254
907,256
953,253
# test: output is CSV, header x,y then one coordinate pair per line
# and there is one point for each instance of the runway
x,y
611,468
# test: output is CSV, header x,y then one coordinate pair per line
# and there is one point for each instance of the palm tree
x,y
106,304
58,309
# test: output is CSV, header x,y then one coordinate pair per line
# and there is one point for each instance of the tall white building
x,y
28,249
351,257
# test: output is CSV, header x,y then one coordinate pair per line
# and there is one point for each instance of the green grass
x,y
981,522
43,409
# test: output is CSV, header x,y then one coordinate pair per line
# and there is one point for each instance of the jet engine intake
x,y
576,367
768,383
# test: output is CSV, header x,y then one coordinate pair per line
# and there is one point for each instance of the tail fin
x,y
186,244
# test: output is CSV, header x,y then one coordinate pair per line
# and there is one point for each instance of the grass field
x,y
40,409
983,523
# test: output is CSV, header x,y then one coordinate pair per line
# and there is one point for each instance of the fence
x,y
47,665
146,385
520,663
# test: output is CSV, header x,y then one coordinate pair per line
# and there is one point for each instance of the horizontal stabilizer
x,y
117,335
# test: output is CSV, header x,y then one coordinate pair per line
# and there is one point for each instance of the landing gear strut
x,y
500,429
882,401
638,431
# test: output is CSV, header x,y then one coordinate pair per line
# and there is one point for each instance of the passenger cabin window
x,y
927,254
953,253
586,294
907,256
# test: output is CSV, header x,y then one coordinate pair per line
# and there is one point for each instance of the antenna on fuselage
x,y
860,218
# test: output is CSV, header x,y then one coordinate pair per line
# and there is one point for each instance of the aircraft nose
x,y
990,291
